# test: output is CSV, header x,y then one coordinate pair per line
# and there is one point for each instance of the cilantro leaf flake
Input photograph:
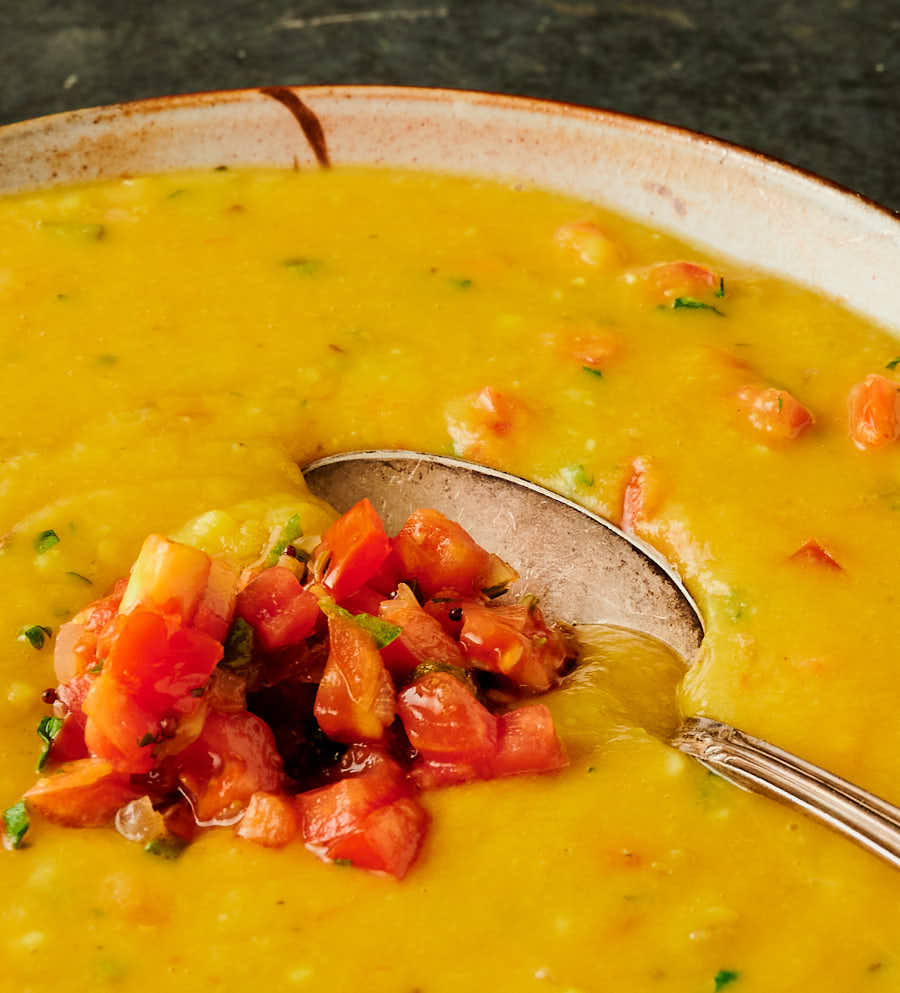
x,y
47,729
724,977
16,823
238,645
46,540
36,635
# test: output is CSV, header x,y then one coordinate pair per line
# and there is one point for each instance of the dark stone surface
x,y
816,83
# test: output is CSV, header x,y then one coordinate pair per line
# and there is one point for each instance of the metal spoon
x,y
582,567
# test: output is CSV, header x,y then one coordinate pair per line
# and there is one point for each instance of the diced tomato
x,y
216,607
446,607
76,646
481,422
280,611
355,700
364,601
513,641
446,723
775,413
588,242
670,280
359,547
270,819
432,774
69,743
234,757
527,742
874,412
388,840
167,577
643,494
440,555
592,348
330,812
387,577
86,793
422,638
814,553
150,677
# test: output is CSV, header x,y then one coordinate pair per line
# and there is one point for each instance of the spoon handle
x,y
762,768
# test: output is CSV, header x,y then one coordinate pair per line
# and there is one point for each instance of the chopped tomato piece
x,y
86,793
167,577
775,413
643,494
446,607
668,281
432,774
592,348
364,601
151,677
813,552
422,638
386,841
874,412
388,575
355,700
216,607
445,722
234,757
270,820
440,555
330,812
77,641
588,242
359,547
527,742
477,423
278,609
513,641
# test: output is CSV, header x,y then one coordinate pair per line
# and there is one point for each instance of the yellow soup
x,y
173,347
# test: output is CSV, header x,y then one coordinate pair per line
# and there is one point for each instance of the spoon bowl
x,y
586,571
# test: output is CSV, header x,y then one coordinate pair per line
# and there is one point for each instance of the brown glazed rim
x,y
555,108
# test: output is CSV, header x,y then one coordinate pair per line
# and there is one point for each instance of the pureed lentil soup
x,y
172,348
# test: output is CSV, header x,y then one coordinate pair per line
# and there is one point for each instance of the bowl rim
x,y
493,100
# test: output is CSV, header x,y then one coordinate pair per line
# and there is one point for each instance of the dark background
x,y
816,83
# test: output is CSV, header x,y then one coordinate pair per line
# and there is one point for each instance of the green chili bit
x,y
291,530
167,847
15,820
381,632
593,371
35,635
47,729
725,977
238,645
893,363
46,540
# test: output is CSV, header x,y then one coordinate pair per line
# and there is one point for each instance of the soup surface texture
x,y
172,347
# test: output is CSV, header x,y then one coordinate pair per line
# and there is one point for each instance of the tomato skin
x,y
775,413
270,820
440,555
280,611
233,758
513,641
527,742
359,546
874,406
330,812
355,700
387,840
812,552
445,722
84,793
422,638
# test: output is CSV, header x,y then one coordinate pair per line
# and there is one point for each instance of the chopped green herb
x,y
107,358
492,592
720,292
577,475
168,847
238,645
47,729
724,977
15,820
461,284
180,192
344,862
291,530
62,296
780,403
893,363
303,267
593,371
197,691
690,303
35,635
46,540
592,768
97,667
77,229
382,633
80,578
149,739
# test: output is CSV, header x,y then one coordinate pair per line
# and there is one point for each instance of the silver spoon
x,y
582,567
